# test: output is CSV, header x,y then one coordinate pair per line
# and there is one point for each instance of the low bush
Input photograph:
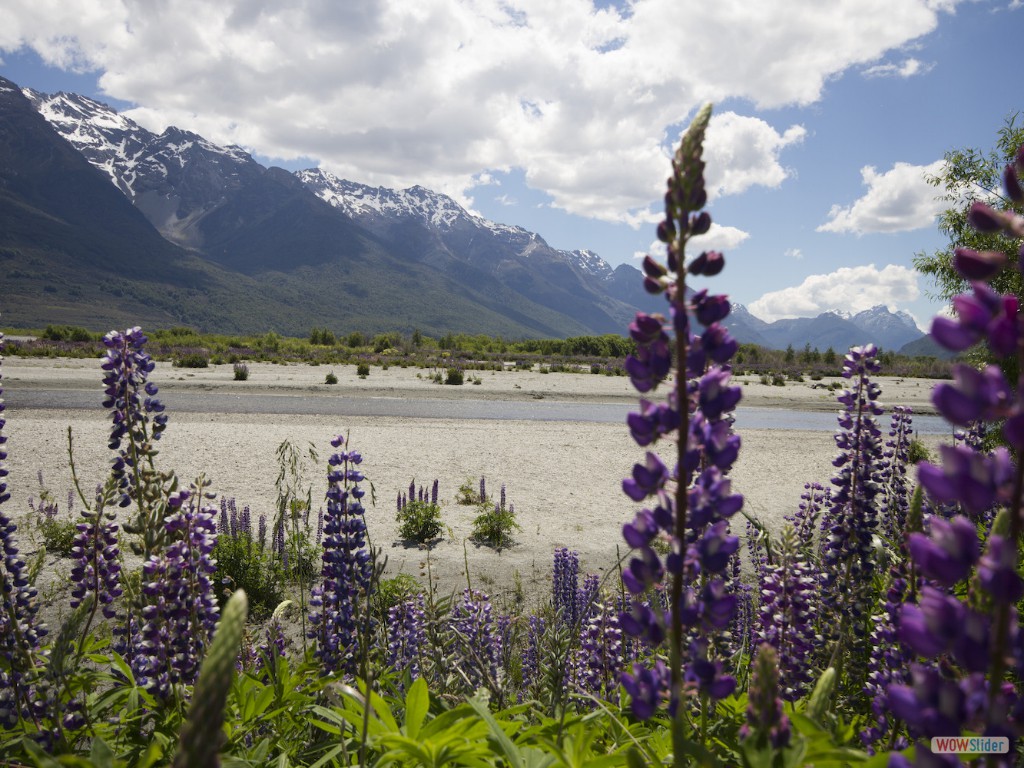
x,y
192,360
453,376
419,521
330,378
494,525
363,370
241,372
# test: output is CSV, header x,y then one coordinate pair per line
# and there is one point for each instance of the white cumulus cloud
x,y
906,68
897,200
850,289
740,152
581,99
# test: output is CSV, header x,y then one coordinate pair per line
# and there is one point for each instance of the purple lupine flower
x,y
788,615
599,661
997,571
180,611
893,473
96,574
564,585
501,504
531,658
889,663
587,597
693,500
20,629
476,640
132,401
407,635
947,554
974,480
647,688
848,552
346,564
483,490
433,492
261,532
766,720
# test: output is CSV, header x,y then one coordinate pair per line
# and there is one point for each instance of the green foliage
x,y
322,337
241,371
363,370
58,535
391,592
969,175
201,732
68,333
242,564
192,360
330,378
468,493
494,525
419,521
453,376
917,451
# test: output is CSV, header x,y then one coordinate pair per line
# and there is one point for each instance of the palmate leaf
x,y
201,734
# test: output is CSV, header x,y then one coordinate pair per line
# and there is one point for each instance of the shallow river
x,y
425,408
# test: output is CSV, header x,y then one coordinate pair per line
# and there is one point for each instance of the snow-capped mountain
x,y
470,273
379,208
175,178
225,207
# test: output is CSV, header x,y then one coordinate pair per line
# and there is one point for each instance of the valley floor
x,y
564,478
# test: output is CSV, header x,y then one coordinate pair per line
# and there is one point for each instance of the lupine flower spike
x,y
690,499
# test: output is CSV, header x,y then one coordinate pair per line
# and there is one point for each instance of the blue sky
x,y
560,117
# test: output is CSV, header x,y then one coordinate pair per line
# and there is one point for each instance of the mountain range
x,y
104,223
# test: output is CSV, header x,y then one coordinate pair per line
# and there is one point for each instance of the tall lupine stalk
x,y
981,638
895,485
477,641
848,561
788,615
138,420
692,500
20,630
180,612
347,570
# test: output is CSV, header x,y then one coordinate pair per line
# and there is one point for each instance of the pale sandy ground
x,y
564,478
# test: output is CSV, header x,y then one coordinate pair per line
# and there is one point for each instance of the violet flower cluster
x,y
788,615
848,562
180,611
407,635
132,401
476,639
690,500
969,648
20,630
96,574
346,570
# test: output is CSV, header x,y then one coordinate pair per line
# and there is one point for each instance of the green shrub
x,y
58,535
453,376
330,378
917,451
467,493
363,370
494,525
242,564
191,360
241,372
391,592
419,521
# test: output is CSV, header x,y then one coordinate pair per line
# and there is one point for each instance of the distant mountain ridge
x,y
346,254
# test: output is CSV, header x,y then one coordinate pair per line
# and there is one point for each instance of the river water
x,y
425,408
